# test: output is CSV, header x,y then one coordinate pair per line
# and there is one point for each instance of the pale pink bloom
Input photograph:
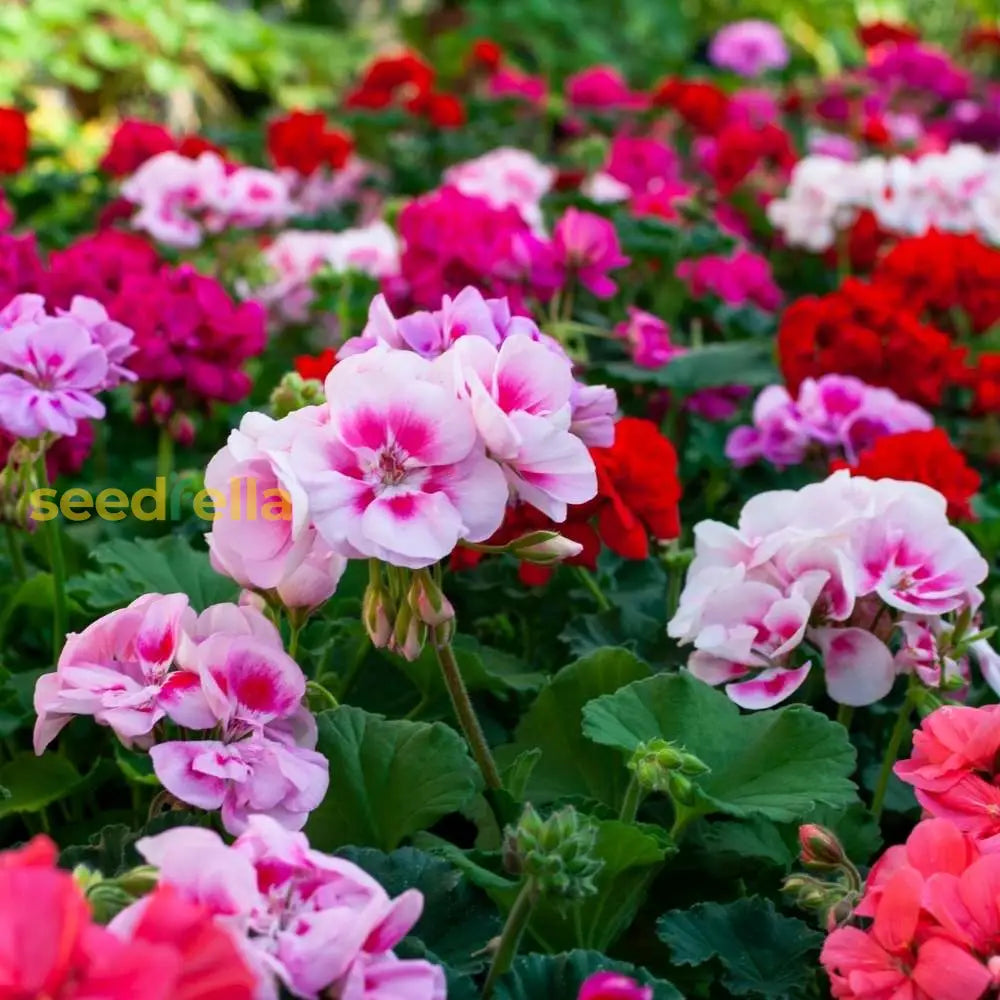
x,y
179,198
892,960
297,256
520,403
603,189
119,670
613,986
840,147
857,666
919,652
505,177
749,48
316,924
323,190
253,775
115,339
52,370
587,248
262,536
594,412
398,472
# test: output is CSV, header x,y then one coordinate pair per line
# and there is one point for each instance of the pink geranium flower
x,y
613,986
586,246
749,48
397,472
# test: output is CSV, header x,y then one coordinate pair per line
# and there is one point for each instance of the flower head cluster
x,y
749,48
157,665
505,177
180,200
744,277
171,948
613,986
864,576
306,922
14,140
302,142
955,191
933,912
298,255
53,366
912,66
833,416
866,330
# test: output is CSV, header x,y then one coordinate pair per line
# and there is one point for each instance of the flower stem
x,y
895,740
14,550
587,579
57,564
630,804
165,456
464,711
510,938
844,715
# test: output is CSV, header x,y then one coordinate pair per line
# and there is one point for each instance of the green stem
x,y
57,564
630,805
293,640
14,550
510,938
844,715
895,740
587,579
165,456
464,711
321,694
683,818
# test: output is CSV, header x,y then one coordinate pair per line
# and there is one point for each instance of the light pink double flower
x,y
157,662
53,366
832,573
307,922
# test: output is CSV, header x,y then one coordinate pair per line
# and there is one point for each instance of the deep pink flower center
x,y
390,466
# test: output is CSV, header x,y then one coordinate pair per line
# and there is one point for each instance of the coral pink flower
x,y
520,399
397,472
613,986
891,959
586,246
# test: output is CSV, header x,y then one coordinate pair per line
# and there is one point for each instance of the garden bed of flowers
x,y
482,537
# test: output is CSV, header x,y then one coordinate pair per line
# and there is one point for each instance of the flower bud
x,y
413,642
544,548
181,428
820,847
294,392
428,601
613,986
377,617
107,899
682,790
655,761
557,852
161,404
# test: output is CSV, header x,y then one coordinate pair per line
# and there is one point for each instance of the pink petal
x,y
768,688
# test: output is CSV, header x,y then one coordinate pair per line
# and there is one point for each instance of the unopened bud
x,y
428,601
161,404
294,392
377,617
413,642
820,847
656,761
544,548
682,790
182,430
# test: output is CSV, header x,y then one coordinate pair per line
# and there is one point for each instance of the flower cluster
x,y
303,143
868,574
164,951
833,416
868,331
135,141
156,666
52,366
298,255
748,48
306,922
432,423
180,199
744,277
956,191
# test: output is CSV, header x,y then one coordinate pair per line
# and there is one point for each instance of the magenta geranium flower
x,y
586,245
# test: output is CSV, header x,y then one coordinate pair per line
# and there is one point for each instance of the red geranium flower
x,y
702,105
485,54
922,457
132,144
389,78
866,330
879,32
316,366
443,110
13,140
303,142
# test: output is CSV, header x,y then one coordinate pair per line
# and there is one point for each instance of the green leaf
x,y
777,763
35,782
388,778
559,977
570,764
457,921
165,566
755,842
762,952
746,362
517,774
